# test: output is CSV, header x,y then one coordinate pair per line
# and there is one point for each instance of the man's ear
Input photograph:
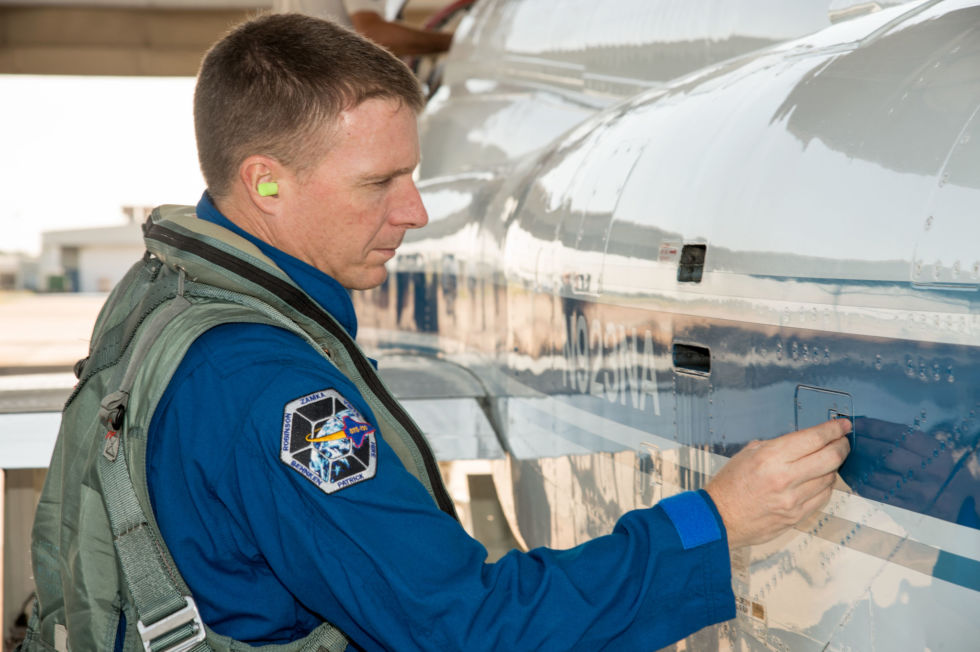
x,y
260,176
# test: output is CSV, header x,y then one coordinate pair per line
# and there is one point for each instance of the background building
x,y
93,259
18,271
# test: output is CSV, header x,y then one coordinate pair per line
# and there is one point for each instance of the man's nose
x,y
410,213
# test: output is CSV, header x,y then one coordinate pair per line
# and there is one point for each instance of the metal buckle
x,y
167,624
112,409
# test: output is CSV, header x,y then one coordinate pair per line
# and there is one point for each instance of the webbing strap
x,y
151,581
325,638
176,238
152,585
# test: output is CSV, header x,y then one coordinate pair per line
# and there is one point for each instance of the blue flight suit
x,y
268,554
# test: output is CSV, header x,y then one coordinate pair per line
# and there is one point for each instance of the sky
x,y
74,150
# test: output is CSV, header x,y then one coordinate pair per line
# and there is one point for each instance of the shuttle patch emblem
x,y
327,441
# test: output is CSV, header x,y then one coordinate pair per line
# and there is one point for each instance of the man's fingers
x,y
775,483
801,443
822,461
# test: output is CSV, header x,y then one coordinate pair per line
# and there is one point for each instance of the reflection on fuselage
x,y
765,244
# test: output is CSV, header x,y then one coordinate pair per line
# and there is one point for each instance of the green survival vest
x,y
97,550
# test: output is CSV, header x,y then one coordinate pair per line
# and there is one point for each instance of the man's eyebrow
x,y
389,174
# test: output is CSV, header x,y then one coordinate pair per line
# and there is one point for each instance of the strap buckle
x,y
112,409
189,615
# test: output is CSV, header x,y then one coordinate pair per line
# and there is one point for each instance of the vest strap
x,y
103,433
168,620
181,631
171,237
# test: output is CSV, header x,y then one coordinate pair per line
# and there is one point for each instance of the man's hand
x,y
770,486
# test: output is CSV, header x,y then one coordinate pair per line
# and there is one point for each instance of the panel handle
x,y
692,359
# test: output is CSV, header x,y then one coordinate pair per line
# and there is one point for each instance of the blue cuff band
x,y
693,518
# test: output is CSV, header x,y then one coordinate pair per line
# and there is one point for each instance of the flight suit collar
x,y
323,288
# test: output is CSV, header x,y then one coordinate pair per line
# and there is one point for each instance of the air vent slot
x,y
691,266
692,359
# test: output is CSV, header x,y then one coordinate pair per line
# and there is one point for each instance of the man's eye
x,y
384,182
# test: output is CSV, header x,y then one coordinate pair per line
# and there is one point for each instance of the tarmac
x,y
45,332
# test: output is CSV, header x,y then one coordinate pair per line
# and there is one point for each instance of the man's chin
x,y
367,280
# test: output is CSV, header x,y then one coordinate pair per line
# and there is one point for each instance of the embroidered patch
x,y
328,441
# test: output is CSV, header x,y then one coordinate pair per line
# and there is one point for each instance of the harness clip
x,y
168,625
113,409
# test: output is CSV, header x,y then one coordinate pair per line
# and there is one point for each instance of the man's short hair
x,y
272,84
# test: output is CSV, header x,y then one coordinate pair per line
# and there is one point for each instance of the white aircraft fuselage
x,y
661,230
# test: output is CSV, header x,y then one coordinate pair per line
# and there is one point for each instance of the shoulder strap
x,y
213,261
168,618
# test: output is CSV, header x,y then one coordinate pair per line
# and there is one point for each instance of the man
x,y
294,497
371,19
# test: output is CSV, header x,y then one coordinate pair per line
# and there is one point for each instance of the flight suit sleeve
x,y
378,559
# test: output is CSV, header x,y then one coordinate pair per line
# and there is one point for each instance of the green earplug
x,y
268,188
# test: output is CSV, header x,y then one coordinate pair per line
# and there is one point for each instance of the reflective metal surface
x,y
646,275
521,73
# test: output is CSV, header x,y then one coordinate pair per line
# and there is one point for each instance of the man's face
x,y
348,213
